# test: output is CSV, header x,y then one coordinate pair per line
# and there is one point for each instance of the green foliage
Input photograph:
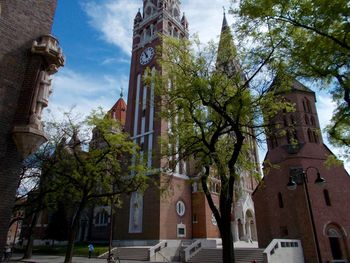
x,y
214,110
311,39
83,171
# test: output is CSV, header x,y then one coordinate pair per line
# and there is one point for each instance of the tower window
x,y
280,200
310,135
326,197
312,119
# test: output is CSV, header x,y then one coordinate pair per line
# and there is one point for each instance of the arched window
x,y
310,135
304,105
308,105
280,200
315,135
101,219
326,197
312,119
335,238
306,120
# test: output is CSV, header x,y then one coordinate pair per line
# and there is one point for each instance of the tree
x,y
312,39
36,183
84,174
214,110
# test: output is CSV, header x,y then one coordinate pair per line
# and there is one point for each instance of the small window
x,y
326,197
181,230
195,218
307,120
280,200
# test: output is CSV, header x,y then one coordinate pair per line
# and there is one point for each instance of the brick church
x,y
297,159
182,212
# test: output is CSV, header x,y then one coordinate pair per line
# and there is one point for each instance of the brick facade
x,y
21,22
282,213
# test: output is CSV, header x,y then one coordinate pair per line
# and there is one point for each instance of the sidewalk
x,y
59,259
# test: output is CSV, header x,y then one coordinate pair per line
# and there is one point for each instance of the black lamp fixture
x,y
292,185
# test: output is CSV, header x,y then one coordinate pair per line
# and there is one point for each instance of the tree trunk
x,y
73,231
227,241
30,237
70,245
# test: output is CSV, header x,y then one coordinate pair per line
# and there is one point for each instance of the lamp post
x,y
292,185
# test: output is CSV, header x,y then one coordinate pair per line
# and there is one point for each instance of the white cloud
x,y
85,92
114,20
205,19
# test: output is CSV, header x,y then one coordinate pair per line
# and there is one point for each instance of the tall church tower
x,y
283,213
152,216
157,17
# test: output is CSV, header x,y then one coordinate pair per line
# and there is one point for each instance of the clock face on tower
x,y
147,55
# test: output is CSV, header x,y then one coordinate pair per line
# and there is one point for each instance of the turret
x,y
184,21
138,18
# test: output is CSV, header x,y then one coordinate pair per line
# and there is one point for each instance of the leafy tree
x,y
97,173
36,183
214,111
312,39
86,171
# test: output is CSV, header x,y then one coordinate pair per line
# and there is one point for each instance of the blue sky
x,y
96,36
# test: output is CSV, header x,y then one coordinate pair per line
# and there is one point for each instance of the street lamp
x,y
292,185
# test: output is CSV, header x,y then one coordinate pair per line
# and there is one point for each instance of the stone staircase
x,y
242,255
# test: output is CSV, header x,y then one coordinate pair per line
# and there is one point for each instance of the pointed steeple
x,y
224,22
227,54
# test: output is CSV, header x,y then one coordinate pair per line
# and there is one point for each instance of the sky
x,y
96,37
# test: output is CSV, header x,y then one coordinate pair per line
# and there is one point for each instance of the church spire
x,y
227,54
224,21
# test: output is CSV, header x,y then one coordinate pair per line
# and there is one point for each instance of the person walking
x,y
91,249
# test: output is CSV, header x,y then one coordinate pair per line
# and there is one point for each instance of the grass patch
x,y
80,249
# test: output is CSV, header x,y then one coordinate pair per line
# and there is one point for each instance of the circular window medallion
x,y
180,208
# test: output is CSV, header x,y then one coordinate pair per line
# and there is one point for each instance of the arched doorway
x,y
337,242
250,226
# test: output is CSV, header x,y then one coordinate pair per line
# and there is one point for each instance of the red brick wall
x,y
204,228
177,189
293,221
21,22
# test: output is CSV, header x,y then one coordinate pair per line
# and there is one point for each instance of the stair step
x,y
211,255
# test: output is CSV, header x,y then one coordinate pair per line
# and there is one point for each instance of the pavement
x,y
60,259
